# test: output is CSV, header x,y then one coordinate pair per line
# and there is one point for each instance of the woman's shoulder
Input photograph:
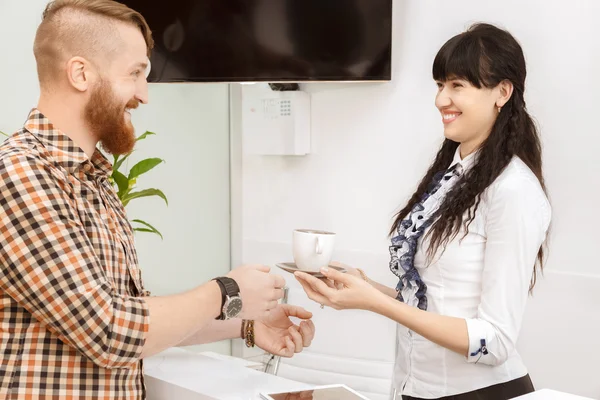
x,y
518,185
517,175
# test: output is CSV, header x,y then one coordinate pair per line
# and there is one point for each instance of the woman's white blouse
x,y
484,278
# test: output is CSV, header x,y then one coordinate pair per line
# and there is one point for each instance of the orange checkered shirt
x,y
72,315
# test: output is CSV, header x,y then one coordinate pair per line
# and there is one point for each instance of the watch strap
x,y
231,286
223,297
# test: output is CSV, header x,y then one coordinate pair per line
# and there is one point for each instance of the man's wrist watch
x,y
231,301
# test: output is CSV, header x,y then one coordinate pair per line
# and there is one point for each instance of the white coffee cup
x,y
312,248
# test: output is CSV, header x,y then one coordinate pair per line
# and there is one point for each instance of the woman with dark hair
x,y
466,245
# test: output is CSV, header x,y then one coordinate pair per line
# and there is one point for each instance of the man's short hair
x,y
85,28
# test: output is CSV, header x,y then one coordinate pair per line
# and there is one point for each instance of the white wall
x,y
373,141
19,89
192,126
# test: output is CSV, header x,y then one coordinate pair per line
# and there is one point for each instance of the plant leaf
x,y
143,193
149,228
145,135
122,182
144,166
120,161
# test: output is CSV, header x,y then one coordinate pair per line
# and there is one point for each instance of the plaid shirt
x,y
72,316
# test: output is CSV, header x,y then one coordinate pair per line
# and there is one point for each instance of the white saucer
x,y
292,267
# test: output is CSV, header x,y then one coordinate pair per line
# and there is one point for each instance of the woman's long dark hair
x,y
485,56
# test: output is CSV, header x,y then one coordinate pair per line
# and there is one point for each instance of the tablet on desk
x,y
331,392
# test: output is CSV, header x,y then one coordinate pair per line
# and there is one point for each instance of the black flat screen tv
x,y
269,40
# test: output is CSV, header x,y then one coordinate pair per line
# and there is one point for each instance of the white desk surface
x,y
184,375
547,394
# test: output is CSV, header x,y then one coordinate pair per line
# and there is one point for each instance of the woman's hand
x,y
388,291
343,291
349,270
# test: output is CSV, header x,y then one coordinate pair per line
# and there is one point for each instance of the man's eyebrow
x,y
142,65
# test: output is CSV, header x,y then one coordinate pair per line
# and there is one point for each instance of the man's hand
x,y
259,290
278,335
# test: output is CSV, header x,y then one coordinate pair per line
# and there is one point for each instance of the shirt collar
x,y
466,162
64,150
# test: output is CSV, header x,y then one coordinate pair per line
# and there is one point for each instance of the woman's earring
x,y
499,109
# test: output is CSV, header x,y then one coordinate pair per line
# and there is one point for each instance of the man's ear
x,y
79,73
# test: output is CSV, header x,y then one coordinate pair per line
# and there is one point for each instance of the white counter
x,y
547,394
184,375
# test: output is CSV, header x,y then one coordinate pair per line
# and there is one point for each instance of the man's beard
x,y
104,114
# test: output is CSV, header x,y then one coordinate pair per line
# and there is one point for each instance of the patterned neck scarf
x,y
411,289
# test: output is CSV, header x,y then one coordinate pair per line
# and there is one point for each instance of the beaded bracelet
x,y
248,335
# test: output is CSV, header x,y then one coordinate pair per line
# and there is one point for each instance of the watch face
x,y
234,307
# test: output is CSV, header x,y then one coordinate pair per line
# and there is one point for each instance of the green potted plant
x,y
125,183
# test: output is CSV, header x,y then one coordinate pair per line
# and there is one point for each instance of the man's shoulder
x,y
21,148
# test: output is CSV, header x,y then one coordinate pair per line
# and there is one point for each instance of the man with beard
x,y
75,318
